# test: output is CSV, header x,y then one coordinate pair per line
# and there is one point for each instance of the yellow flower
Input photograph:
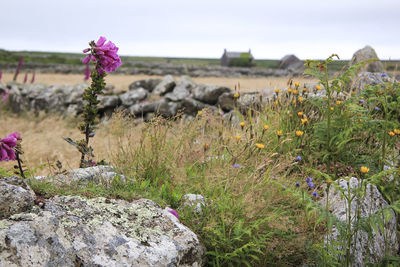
x,y
329,181
266,127
294,101
391,133
303,121
297,84
361,120
338,102
276,102
296,92
300,99
260,146
318,87
206,146
276,91
299,133
238,137
290,90
242,124
199,112
236,95
353,92
364,169
300,113
332,109
396,131
304,90
279,133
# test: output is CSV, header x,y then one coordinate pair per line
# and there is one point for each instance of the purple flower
x,y
237,165
298,158
105,54
21,60
309,182
6,146
376,108
315,194
33,78
4,94
173,212
383,75
297,185
87,72
362,101
26,77
1,74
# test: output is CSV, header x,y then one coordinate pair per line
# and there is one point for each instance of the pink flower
x,y
105,54
26,77
173,212
33,78
87,72
6,146
1,74
4,94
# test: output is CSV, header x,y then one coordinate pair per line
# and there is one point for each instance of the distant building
x,y
238,59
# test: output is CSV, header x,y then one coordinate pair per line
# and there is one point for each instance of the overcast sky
x,y
191,28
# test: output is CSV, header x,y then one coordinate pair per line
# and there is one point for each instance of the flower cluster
x,y
7,146
309,182
105,54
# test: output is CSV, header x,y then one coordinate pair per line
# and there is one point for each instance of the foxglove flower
x,y
87,72
7,146
1,74
26,77
4,94
173,212
33,78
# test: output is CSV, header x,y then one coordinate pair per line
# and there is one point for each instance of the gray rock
x,y
165,86
227,102
98,174
144,107
231,118
74,93
209,93
250,102
192,106
182,89
73,110
132,97
198,202
148,84
108,101
290,62
15,196
168,109
109,89
74,231
367,53
365,79
370,204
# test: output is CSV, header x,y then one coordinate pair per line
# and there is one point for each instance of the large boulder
x,y
133,96
168,109
148,84
165,86
15,196
365,250
227,102
182,89
74,231
365,79
290,62
192,106
367,53
209,93
144,107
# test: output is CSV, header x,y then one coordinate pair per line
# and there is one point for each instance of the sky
x,y
310,29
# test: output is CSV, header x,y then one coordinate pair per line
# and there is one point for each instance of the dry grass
x,y
122,82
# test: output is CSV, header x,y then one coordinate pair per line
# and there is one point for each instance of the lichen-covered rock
x,y
97,174
15,196
182,89
370,204
74,231
367,53
365,79
166,85
209,93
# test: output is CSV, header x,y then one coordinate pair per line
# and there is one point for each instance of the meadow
x,y
263,207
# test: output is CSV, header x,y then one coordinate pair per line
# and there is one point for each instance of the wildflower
x,y
285,186
391,133
4,93
297,185
360,120
338,102
299,133
237,165
296,92
93,163
236,95
364,169
279,133
294,101
332,109
276,91
300,99
329,181
105,54
26,77
300,113
199,112
297,84
383,75
318,87
361,101
173,212
206,146
242,124
266,127
290,90
33,78
309,182
315,194
1,74
260,146
298,158
396,131
304,89
87,72
6,146
376,108
304,121
276,102
238,137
